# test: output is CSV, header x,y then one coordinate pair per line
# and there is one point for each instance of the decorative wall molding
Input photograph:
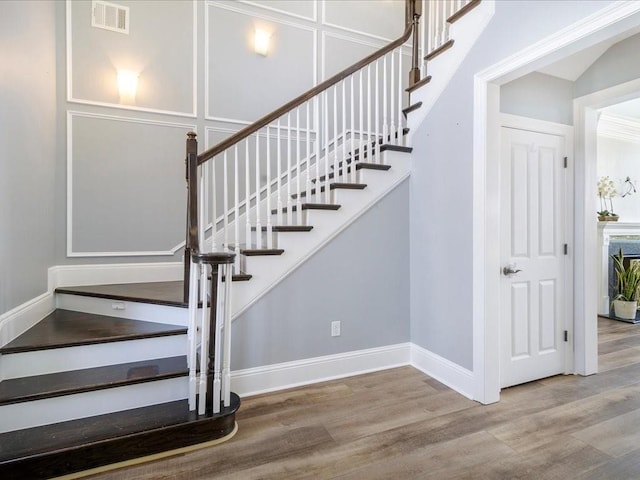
x,y
450,374
70,115
313,18
324,22
619,127
81,101
280,376
207,53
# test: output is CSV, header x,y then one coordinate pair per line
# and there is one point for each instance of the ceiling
x,y
570,68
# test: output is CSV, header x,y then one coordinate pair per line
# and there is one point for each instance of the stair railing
x,y
440,14
244,186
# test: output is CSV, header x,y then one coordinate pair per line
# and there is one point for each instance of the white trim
x,y
485,295
76,275
619,127
313,18
446,372
585,114
207,83
115,118
69,72
280,376
21,318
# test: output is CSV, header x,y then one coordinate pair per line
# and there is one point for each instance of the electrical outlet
x,y
117,306
335,329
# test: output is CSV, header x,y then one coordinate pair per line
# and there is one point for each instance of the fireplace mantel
x,y
606,230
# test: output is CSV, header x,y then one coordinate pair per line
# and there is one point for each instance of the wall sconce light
x,y
127,86
261,42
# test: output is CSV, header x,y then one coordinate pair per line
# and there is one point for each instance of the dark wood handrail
x,y
411,12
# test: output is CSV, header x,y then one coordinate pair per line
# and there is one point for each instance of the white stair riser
x,y
343,196
132,310
55,360
81,405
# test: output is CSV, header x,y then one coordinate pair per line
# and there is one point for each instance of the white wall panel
x,y
110,159
165,62
383,20
243,85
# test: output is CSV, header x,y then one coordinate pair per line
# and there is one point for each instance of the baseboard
x,y
23,317
74,275
254,381
446,372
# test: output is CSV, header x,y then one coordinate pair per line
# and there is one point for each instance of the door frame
x,y
566,131
606,23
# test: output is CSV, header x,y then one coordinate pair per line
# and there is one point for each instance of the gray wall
x,y
27,149
441,181
360,278
617,65
539,96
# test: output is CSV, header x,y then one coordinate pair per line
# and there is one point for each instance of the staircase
x,y
118,373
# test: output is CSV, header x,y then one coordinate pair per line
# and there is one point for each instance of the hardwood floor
x,y
402,424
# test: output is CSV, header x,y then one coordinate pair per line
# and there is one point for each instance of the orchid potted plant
x,y
606,191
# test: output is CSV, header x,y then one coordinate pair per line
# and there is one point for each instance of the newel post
x,y
191,241
414,11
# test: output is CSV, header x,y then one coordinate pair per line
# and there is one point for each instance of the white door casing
x,y
533,236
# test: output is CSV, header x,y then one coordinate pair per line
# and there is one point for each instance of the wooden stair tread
x,y
90,379
335,186
310,206
413,107
463,11
441,49
256,252
66,328
76,445
286,228
418,84
159,293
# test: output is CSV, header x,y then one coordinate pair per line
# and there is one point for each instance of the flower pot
x,y
608,218
626,310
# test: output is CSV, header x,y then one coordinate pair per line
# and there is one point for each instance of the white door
x,y
532,310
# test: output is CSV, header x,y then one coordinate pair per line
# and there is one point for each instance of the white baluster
x,y
436,43
400,136
204,340
193,333
352,127
343,150
289,199
385,99
247,186
361,120
336,168
236,223
325,124
392,95
226,355
217,362
258,203
269,226
308,140
369,114
423,41
225,202
377,114
279,174
316,122
298,174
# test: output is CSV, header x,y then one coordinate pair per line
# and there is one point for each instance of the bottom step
x,y
77,445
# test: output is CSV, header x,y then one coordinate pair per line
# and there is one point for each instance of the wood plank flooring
x,y
402,424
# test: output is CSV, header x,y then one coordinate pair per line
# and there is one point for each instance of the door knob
x,y
510,270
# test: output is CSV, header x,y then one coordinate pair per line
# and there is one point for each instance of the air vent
x,y
110,16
